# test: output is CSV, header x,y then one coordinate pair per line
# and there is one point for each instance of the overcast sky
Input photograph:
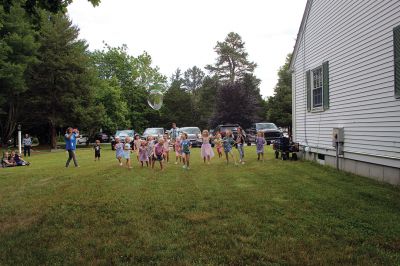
x,y
183,33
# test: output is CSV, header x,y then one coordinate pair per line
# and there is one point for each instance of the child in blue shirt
x,y
228,142
185,148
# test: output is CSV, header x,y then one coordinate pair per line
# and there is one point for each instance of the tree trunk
x,y
7,127
53,136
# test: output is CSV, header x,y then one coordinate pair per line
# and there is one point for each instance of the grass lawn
x,y
276,212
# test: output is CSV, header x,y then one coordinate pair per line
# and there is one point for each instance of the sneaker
x,y
120,164
184,167
242,162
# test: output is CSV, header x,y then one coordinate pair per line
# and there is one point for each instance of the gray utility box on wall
x,y
338,139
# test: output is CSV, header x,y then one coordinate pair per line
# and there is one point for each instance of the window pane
x,y
317,97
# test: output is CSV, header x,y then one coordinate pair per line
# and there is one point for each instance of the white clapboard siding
x,y
356,37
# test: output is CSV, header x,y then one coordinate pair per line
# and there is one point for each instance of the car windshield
x,y
124,133
265,126
223,129
190,130
154,131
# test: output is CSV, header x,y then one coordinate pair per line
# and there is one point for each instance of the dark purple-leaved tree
x,y
239,102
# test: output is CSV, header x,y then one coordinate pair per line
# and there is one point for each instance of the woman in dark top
x,y
240,140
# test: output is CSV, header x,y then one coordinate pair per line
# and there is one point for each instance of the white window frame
x,y
320,107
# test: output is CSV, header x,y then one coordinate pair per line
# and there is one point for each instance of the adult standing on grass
x,y
70,145
173,133
240,140
27,142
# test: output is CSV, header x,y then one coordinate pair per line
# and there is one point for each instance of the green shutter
x,y
308,78
325,75
396,47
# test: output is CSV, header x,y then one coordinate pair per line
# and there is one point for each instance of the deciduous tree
x,y
235,105
279,106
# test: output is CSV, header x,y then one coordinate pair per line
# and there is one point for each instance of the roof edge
x,y
301,31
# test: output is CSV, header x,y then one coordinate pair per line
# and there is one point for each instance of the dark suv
x,y
232,127
270,130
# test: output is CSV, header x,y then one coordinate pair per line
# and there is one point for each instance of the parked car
x,y
122,134
232,127
103,137
155,132
83,139
194,135
270,130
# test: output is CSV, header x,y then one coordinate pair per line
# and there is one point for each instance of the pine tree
x,y
62,83
232,61
18,48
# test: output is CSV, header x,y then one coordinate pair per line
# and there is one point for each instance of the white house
x,y
346,74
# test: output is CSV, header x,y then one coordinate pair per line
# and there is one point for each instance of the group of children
x,y
152,150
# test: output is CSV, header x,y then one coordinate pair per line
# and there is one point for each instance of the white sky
x,y
183,33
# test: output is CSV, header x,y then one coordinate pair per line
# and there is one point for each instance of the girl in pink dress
x,y
218,145
158,152
143,153
166,148
178,152
206,150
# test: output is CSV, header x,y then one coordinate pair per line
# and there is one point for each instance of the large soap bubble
x,y
155,96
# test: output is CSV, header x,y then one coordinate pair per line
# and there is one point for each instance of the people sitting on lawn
x,y
6,162
19,161
13,159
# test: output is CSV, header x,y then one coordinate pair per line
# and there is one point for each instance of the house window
x,y
317,87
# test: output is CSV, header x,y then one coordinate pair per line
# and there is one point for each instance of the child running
x,y
158,153
206,150
185,147
119,150
150,149
218,144
260,143
97,149
166,148
228,142
136,145
143,153
178,153
127,152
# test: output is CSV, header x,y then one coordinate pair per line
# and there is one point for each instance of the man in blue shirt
x,y
173,133
70,145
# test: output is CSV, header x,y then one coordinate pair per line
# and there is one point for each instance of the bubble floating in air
x,y
155,96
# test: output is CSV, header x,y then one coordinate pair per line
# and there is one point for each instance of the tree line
x,y
49,80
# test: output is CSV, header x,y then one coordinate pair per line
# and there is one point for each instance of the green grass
x,y
276,212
